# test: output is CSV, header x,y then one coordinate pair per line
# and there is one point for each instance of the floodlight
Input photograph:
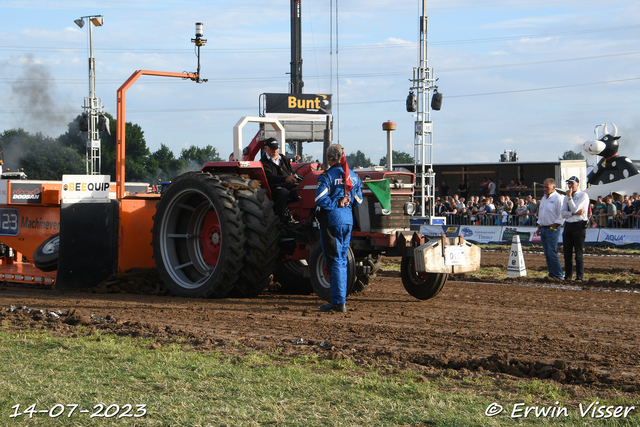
x,y
97,21
79,22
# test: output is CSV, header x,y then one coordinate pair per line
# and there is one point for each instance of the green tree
x,y
73,138
571,155
41,157
358,159
398,157
163,165
136,152
200,155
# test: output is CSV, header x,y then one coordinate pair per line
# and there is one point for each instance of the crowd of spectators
x,y
497,204
621,213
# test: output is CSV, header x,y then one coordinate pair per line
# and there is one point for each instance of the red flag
x,y
348,185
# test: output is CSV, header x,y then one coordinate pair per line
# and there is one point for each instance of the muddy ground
x,y
577,334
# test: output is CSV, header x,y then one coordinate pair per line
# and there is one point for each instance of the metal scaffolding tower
x,y
92,104
423,82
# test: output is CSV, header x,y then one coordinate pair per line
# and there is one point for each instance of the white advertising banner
x,y
431,230
527,234
481,234
89,188
618,236
497,234
593,234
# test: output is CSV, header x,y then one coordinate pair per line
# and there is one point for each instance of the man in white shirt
x,y
492,188
549,222
575,208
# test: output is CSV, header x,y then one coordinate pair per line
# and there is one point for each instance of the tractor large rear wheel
x,y
421,285
198,236
321,278
262,233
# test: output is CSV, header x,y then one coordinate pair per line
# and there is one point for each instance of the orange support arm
x,y
120,130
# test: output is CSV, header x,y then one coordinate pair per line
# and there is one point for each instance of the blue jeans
x,y
549,241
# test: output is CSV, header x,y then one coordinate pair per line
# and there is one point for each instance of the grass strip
x,y
187,388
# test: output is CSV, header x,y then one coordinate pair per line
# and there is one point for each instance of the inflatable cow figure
x,y
612,167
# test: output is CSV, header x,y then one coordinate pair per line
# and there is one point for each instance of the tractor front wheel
x,y
421,285
321,278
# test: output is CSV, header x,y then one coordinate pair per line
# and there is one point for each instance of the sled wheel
x,y
421,285
321,278
198,237
45,257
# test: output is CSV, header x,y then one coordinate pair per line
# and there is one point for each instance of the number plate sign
x,y
9,222
454,255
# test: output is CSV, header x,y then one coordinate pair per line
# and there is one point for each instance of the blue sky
x,y
534,76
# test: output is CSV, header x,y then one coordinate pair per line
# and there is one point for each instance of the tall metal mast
x,y
296,58
296,47
423,82
92,104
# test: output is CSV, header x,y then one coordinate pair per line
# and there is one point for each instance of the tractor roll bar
x,y
120,129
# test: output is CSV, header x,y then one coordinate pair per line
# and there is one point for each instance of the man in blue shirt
x,y
335,197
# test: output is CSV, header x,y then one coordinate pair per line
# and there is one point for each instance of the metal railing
x,y
618,221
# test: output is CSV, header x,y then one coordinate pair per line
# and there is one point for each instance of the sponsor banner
x,y
527,234
26,193
298,103
535,236
3,191
85,187
49,227
618,236
497,234
593,234
451,230
437,230
283,117
480,234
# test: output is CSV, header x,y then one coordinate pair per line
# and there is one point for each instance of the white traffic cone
x,y
516,267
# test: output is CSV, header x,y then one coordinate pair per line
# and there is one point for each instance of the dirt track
x,y
574,335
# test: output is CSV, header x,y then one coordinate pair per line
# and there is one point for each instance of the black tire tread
x,y
230,213
262,233
43,261
415,286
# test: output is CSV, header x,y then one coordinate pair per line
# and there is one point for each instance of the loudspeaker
x,y
436,101
412,103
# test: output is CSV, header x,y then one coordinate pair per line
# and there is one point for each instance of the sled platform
x,y
25,272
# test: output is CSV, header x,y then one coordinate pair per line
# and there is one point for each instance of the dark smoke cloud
x,y
630,139
34,97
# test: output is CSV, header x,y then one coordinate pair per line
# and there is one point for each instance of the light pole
x,y
92,104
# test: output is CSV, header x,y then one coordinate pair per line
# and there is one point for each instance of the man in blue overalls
x,y
334,198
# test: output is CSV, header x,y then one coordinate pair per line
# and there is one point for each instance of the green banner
x,y
381,189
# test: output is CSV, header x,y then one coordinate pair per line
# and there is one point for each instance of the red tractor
x,y
215,233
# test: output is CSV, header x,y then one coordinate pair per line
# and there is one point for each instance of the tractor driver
x,y
282,180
